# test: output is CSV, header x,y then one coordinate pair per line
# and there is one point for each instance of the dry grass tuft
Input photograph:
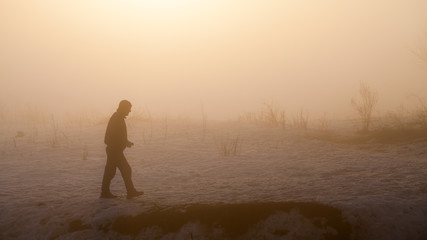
x,y
229,146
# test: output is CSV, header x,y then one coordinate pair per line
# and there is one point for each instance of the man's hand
x,y
129,144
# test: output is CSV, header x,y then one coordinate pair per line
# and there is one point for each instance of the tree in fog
x,y
365,105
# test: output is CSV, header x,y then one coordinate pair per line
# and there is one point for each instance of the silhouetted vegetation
x,y
300,121
365,105
271,113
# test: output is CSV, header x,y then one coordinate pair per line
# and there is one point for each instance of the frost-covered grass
x,y
46,190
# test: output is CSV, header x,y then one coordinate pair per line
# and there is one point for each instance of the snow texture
x,y
50,180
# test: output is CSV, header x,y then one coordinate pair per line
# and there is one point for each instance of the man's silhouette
x,y
117,141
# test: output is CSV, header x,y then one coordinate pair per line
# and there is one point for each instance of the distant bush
x,y
270,114
300,121
402,118
324,123
365,105
420,114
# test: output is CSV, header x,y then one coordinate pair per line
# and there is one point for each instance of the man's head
x,y
124,108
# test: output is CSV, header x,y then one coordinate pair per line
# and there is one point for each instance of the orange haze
x,y
230,56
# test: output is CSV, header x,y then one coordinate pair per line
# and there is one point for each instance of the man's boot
x,y
134,193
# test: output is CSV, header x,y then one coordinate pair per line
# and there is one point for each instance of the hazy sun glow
x,y
160,3
174,55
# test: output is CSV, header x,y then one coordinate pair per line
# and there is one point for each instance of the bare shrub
x,y
300,121
420,113
324,123
272,114
365,105
397,119
414,116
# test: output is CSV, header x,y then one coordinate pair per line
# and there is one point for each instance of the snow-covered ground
x,y
50,178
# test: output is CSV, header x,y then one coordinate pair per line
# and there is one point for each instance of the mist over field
x,y
291,119
172,57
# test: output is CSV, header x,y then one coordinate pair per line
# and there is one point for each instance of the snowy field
x,y
50,179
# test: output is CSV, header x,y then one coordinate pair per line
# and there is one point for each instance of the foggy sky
x,y
173,57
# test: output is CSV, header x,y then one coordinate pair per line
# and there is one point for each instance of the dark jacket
x,y
116,134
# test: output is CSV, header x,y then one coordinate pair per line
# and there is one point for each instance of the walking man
x,y
117,141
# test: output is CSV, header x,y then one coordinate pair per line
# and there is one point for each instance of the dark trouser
x,y
116,159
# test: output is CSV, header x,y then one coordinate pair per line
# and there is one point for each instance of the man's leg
x,y
126,172
109,173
